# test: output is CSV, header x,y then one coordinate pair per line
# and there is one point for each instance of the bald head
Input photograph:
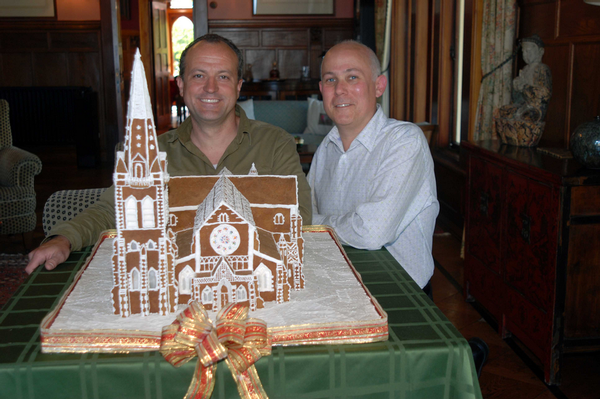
x,y
365,51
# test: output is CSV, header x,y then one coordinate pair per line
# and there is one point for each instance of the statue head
x,y
533,49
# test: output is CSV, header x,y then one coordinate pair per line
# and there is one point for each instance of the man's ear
x,y
239,87
179,81
380,85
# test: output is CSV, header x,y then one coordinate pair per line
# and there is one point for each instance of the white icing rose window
x,y
225,239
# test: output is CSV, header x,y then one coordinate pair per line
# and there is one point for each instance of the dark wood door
x,y
160,37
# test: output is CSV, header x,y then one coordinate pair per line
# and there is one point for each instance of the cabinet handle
x,y
484,200
526,229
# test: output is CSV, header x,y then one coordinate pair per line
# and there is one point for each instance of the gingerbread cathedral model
x,y
213,239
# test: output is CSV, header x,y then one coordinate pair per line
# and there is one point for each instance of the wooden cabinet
x,y
532,248
290,89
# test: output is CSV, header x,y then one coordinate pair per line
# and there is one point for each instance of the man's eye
x,y
198,75
352,77
330,80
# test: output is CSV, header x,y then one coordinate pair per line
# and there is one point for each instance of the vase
x,y
585,143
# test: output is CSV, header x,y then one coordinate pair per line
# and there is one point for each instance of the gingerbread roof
x,y
223,192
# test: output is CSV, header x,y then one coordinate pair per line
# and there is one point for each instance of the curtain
x,y
498,37
383,19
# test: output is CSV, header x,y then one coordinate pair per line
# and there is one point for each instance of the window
x,y
185,280
148,212
135,280
151,245
279,219
138,171
223,218
241,294
264,277
207,295
131,219
152,279
133,246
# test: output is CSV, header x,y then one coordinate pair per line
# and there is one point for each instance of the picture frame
x,y
292,7
28,8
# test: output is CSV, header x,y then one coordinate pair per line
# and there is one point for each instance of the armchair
x,y
17,170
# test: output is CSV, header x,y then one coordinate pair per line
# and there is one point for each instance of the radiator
x,y
55,115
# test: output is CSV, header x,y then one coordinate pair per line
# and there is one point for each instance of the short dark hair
x,y
212,38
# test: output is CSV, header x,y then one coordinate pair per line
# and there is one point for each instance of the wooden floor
x,y
506,374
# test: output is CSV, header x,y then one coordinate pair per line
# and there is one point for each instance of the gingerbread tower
x,y
143,251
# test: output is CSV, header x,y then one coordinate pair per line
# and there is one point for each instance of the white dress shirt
x,y
379,193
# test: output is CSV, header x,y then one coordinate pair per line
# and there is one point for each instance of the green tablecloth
x,y
425,356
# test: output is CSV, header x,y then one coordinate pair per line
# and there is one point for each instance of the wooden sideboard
x,y
289,89
532,248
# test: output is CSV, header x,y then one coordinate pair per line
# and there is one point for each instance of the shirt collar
x,y
368,137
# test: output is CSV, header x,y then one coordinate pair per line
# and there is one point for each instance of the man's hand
x,y
52,253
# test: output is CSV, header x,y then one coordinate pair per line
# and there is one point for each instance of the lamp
x,y
592,2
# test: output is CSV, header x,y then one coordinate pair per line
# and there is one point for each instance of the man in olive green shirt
x,y
217,135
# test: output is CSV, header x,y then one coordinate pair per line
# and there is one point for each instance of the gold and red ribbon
x,y
237,339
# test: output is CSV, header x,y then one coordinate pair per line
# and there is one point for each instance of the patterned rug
x,y
12,274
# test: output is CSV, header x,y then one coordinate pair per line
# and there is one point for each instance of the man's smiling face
x,y
210,87
349,88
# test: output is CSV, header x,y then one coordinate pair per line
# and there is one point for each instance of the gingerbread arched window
x,y
148,212
279,219
207,295
223,218
185,280
131,217
241,294
135,280
152,279
264,277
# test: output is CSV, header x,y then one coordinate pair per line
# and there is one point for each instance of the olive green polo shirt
x,y
271,149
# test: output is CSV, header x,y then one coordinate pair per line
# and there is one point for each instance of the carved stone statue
x,y
522,122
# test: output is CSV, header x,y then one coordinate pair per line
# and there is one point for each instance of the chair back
x,y
64,205
5,133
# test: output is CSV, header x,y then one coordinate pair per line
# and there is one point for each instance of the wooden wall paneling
x,y
446,74
586,84
262,62
282,38
49,69
540,18
578,18
331,37
476,73
398,60
558,58
23,40
241,37
291,62
112,89
74,41
162,72
421,50
315,62
17,69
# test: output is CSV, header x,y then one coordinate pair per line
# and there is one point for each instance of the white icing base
x,y
332,294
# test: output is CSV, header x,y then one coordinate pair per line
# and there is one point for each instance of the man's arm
x,y
389,208
72,235
287,162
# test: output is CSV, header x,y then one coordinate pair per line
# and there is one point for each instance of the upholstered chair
x,y
17,195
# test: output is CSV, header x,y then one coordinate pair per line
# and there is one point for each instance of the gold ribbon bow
x,y
239,340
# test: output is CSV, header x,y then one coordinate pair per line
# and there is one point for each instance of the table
x,y
425,356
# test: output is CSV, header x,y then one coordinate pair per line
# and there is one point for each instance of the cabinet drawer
x,y
531,239
484,285
532,326
484,213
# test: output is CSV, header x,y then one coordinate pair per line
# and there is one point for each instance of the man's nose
x,y
211,86
340,87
